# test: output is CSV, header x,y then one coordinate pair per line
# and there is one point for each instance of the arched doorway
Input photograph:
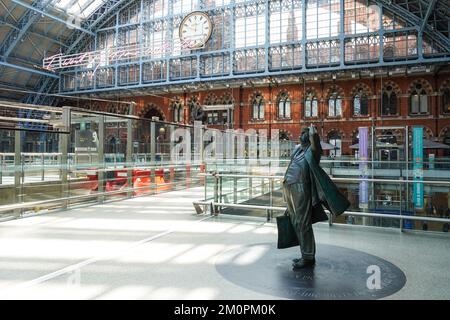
x,y
151,110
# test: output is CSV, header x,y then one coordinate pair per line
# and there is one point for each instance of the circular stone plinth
x,y
339,273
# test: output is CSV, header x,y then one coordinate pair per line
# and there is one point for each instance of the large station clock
x,y
195,30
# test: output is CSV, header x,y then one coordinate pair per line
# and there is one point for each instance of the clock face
x,y
195,30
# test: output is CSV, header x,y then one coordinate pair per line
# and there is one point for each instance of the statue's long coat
x,y
323,190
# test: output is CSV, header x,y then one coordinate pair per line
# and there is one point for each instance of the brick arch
x,y
445,85
210,99
425,84
397,133
152,106
283,92
394,85
334,88
193,100
313,91
227,98
256,94
287,132
341,133
428,132
443,133
361,85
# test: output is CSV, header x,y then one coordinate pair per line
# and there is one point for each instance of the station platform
x,y
157,247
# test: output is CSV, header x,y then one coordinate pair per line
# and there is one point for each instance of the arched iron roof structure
x,y
32,30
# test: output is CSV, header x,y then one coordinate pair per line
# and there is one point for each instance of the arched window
x,y
258,107
360,103
284,106
334,105
335,139
418,100
446,101
389,101
178,114
311,105
212,116
177,110
388,51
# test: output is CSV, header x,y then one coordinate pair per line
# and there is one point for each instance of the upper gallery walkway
x,y
158,247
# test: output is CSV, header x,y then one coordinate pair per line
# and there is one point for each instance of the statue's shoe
x,y
302,263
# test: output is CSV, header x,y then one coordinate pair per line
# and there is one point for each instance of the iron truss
x,y
35,10
425,21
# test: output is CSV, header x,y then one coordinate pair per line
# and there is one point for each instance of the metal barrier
x,y
155,187
215,203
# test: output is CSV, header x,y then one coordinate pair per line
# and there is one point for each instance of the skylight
x,y
79,8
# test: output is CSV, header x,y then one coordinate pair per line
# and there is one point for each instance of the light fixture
x,y
334,76
353,75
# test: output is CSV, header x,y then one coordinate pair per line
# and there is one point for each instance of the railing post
x,y
42,168
235,187
63,148
220,194
128,157
153,156
1,168
216,194
17,171
271,188
401,204
101,157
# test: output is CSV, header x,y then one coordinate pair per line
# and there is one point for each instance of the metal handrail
x,y
348,213
445,183
97,194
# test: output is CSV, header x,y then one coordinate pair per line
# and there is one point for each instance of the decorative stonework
x,y
425,85
152,106
395,87
361,86
334,88
211,99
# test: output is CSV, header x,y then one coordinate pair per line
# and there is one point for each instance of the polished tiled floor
x,y
157,248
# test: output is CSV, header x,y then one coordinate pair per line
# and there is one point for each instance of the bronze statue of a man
x,y
306,187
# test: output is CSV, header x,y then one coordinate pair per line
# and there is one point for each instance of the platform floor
x,y
156,247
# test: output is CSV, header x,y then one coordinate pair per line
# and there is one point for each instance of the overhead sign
x,y
110,56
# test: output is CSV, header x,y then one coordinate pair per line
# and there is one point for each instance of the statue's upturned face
x,y
304,138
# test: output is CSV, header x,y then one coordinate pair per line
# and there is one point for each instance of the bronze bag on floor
x,y
287,237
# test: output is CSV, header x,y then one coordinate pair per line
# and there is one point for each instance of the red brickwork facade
x,y
435,119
